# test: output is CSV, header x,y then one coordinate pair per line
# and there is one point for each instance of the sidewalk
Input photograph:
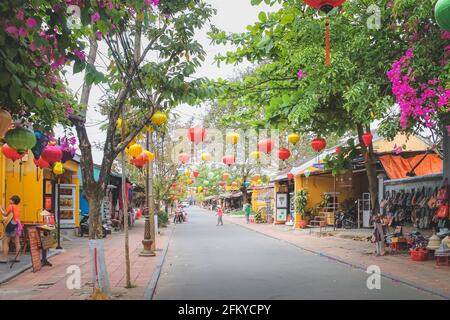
x,y
359,254
50,282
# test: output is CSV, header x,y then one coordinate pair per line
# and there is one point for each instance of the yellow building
x,y
37,189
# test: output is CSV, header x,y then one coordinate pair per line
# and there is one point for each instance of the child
x,y
219,215
13,230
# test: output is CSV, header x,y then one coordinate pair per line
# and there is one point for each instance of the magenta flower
x,y
31,23
20,15
80,54
99,35
300,75
22,32
95,17
32,46
397,149
12,30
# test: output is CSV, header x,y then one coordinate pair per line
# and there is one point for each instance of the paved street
x,y
205,261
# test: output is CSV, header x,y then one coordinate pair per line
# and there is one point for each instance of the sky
x,y
232,16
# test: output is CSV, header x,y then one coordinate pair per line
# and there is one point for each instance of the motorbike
x,y
345,220
84,225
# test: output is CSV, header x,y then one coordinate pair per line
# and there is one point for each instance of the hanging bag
x,y
442,211
442,194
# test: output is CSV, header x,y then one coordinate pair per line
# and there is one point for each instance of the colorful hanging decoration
x,y
247,184
196,135
229,160
367,138
183,157
58,168
135,150
293,138
284,154
232,138
338,150
222,183
318,144
11,153
150,155
256,177
52,153
196,173
119,124
326,6
188,173
225,176
189,181
265,145
20,138
205,156
290,176
442,14
255,155
5,123
41,163
41,143
234,184
158,118
307,173
199,189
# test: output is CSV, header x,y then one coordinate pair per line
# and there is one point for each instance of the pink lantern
x,y
265,145
229,160
183,157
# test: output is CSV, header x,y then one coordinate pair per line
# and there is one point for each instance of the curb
x,y
24,268
151,287
438,292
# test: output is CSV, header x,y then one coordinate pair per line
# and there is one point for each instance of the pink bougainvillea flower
x,y
38,62
155,2
31,23
397,149
80,54
32,46
445,35
95,17
12,30
99,35
22,32
20,15
300,75
110,5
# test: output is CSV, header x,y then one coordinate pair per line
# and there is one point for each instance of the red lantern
x,y
318,144
284,154
196,135
221,183
325,6
11,153
367,138
256,177
174,185
52,154
41,163
338,150
290,176
229,160
196,173
225,176
183,157
265,145
141,161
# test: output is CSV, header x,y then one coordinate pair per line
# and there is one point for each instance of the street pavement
x,y
205,261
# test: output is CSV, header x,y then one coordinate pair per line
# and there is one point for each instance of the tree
x,y
297,89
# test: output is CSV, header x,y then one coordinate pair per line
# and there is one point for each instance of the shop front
x,y
284,212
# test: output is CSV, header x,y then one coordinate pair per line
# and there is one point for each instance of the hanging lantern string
x,y
327,42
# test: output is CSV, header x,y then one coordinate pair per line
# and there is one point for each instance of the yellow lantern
x,y
188,173
135,150
150,156
232,138
149,129
119,124
199,189
189,181
293,138
159,118
58,168
259,181
255,155
206,156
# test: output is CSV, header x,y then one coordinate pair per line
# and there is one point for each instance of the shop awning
x,y
397,166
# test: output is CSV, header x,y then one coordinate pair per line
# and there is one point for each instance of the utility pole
x,y
148,242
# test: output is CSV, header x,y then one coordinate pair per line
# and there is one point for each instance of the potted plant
x,y
300,201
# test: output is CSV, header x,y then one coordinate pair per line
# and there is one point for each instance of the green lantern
x,y
442,14
20,139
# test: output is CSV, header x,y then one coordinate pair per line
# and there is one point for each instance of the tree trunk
x,y
370,165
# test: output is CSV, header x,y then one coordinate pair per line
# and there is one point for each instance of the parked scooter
x,y
345,220
84,225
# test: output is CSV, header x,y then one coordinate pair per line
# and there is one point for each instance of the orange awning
x,y
397,166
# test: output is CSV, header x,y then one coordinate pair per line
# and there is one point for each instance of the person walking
x,y
378,235
13,228
219,215
247,211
